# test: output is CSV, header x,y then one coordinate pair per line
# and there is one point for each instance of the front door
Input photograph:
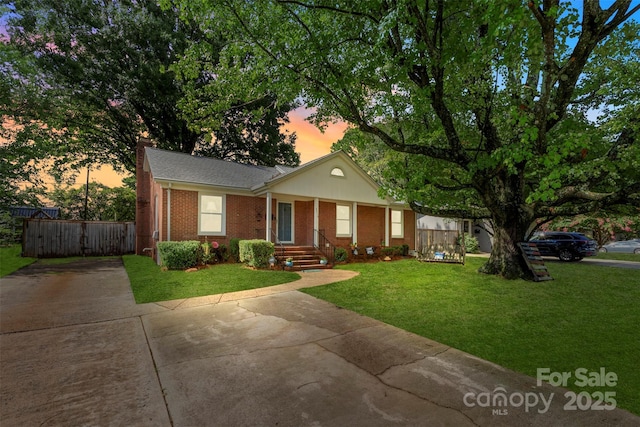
x,y
285,222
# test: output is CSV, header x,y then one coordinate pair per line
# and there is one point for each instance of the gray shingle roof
x,y
181,167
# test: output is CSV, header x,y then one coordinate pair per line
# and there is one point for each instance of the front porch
x,y
324,224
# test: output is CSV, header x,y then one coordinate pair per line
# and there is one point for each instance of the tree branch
x,y
472,212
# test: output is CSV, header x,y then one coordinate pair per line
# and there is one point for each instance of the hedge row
x,y
256,253
179,255
189,253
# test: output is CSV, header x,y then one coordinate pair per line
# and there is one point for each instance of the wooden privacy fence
x,y
440,246
44,238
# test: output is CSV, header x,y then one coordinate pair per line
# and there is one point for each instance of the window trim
x,y
337,172
401,235
223,214
349,219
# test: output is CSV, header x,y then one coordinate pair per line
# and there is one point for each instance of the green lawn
x,y
619,257
587,317
10,259
150,284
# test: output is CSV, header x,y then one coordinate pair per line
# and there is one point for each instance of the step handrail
x,y
279,244
325,246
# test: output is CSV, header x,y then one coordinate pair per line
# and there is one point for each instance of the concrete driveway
x,y
75,349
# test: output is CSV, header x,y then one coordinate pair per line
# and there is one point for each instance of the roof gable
x,y
311,180
315,179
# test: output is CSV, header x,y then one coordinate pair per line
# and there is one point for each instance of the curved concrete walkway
x,y
75,349
307,279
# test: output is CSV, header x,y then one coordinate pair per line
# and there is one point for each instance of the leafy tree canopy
x,y
83,80
102,203
490,101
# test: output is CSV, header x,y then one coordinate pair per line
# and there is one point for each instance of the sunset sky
x,y
311,144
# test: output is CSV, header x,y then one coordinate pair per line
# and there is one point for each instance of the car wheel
x,y
636,251
565,255
603,250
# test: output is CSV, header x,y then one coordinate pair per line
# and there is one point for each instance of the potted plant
x,y
354,248
289,262
323,261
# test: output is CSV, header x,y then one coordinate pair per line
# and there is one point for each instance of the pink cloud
x,y
312,142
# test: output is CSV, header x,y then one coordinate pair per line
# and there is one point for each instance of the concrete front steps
x,y
304,257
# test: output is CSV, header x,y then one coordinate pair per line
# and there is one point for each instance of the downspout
x,y
169,213
355,222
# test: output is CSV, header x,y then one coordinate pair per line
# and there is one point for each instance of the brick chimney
x,y
144,220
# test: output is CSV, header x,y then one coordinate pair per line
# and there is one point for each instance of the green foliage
x,y
569,322
391,251
234,248
103,203
150,284
9,229
179,255
602,226
11,259
340,254
84,80
471,245
256,253
488,105
207,255
213,252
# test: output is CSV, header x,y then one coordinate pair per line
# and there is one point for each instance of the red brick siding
x,y
143,201
370,226
327,222
246,219
303,223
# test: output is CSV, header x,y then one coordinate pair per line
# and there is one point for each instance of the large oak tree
x,y
492,103
94,76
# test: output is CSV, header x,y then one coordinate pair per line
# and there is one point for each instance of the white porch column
x,y
269,214
355,223
316,221
169,213
386,226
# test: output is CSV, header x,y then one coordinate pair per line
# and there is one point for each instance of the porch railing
x,y
279,249
325,246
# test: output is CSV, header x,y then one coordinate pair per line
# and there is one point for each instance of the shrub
x,y
234,249
222,253
256,253
9,233
470,243
395,250
214,252
340,254
180,255
207,255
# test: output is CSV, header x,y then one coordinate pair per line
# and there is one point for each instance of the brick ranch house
x,y
328,201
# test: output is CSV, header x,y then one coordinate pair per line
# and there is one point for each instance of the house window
x,y
211,218
337,172
343,220
397,224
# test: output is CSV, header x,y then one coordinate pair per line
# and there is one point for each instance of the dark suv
x,y
566,246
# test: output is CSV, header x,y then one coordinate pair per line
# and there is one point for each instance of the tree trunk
x,y
503,196
506,259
